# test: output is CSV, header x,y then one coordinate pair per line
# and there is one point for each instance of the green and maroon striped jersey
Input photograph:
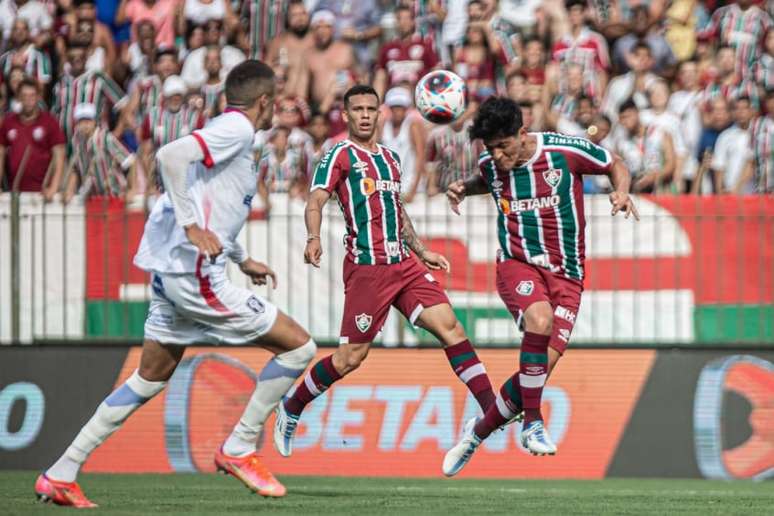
x,y
367,185
89,87
540,203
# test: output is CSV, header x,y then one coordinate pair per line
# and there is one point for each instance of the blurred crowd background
x,y
682,90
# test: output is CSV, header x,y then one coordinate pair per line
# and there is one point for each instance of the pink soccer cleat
x,y
61,493
251,471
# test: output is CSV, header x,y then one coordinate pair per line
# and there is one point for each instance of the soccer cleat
x,y
284,428
61,493
251,471
518,418
460,454
535,439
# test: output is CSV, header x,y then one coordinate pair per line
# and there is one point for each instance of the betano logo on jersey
x,y
508,206
369,186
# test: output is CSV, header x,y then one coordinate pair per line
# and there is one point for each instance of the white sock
x,y
279,375
108,418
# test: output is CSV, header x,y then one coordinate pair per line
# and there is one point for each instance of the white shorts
x,y
199,309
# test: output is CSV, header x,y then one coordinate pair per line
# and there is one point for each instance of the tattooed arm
x,y
433,260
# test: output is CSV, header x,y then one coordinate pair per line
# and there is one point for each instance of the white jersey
x,y
221,188
401,143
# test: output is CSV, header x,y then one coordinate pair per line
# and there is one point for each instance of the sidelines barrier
x,y
693,270
665,413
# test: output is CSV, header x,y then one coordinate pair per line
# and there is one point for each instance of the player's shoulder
x,y
337,152
575,145
389,152
231,124
484,158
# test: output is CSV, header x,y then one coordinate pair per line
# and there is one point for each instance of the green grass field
x,y
216,494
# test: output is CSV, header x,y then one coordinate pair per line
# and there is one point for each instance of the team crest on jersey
x,y
552,176
525,288
255,305
363,322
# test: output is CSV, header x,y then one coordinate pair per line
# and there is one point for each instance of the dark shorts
x,y
370,290
521,284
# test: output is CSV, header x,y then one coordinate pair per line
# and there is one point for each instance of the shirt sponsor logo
x,y
254,304
564,313
568,140
525,288
517,206
363,322
552,176
368,186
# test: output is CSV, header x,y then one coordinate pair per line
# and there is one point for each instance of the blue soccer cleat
x,y
535,439
460,454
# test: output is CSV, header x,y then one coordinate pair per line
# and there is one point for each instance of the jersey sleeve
x,y
331,170
223,140
585,157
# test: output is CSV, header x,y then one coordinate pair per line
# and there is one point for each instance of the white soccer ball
x,y
440,96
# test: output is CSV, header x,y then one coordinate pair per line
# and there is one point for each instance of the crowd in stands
x,y
682,90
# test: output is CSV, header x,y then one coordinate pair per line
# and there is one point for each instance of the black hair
x,y
164,51
743,98
526,104
569,4
78,3
403,7
29,82
360,89
584,98
627,105
247,81
291,3
498,117
642,44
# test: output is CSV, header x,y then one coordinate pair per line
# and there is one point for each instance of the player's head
x,y
499,125
361,111
250,88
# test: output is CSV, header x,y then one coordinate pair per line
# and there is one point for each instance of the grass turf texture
x,y
217,494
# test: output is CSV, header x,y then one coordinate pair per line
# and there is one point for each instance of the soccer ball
x,y
440,96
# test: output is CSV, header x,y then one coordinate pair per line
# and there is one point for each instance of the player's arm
x,y
313,219
460,189
621,179
432,259
173,162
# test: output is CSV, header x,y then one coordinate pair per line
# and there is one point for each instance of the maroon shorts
x,y
521,284
370,290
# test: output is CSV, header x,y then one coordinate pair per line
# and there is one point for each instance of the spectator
x,y
289,50
664,121
717,121
330,61
450,153
478,58
15,78
78,86
319,129
577,122
23,53
453,29
167,122
406,136
145,93
406,58
199,12
82,20
293,113
523,15
732,159
516,86
38,19
643,31
214,85
357,22
564,105
647,151
138,56
265,21
632,85
584,47
97,59
486,11
429,16
762,136
685,104
534,63
727,83
742,26
101,164
194,74
33,144
765,74
280,169
165,14
683,17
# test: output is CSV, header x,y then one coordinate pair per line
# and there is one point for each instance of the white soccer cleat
x,y
284,428
460,454
535,439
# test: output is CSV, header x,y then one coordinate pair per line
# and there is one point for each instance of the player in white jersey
x,y
209,179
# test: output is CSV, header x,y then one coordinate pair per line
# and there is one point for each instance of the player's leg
x,y
425,304
369,292
565,298
58,483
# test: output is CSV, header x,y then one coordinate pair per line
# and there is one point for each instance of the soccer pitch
x,y
216,494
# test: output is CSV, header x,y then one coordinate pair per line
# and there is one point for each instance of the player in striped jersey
x,y
266,19
379,271
536,182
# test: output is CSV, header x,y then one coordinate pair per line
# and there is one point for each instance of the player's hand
x,y
313,252
456,193
259,272
622,202
435,261
205,241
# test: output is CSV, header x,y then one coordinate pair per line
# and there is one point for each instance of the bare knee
x,y
540,320
349,357
158,362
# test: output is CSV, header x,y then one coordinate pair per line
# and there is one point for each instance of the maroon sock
x,y
471,371
506,406
533,369
317,380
